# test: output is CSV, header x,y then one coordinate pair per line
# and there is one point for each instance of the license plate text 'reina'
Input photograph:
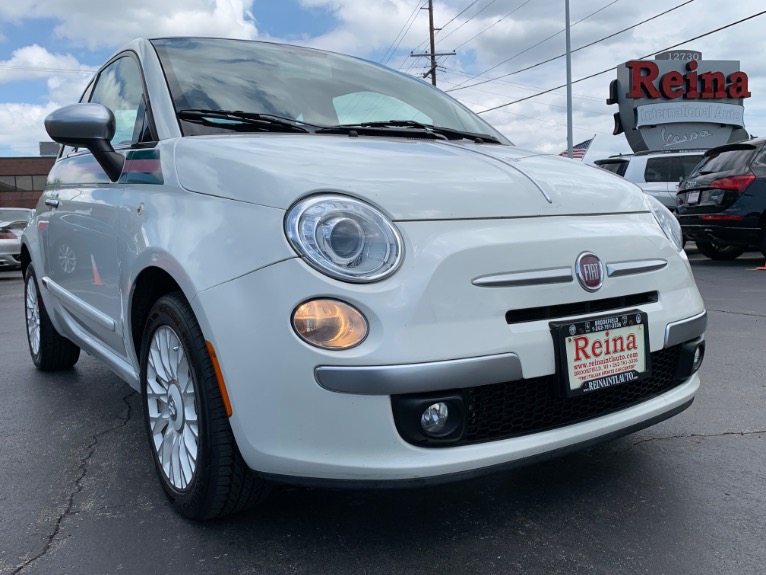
x,y
607,353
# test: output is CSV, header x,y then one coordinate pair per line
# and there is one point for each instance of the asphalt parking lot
x,y
78,494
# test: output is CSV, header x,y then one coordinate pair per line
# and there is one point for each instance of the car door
x,y
657,180
83,264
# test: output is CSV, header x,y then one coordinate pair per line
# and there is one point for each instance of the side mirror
x,y
90,126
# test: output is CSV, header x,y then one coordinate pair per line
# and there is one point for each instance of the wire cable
x,y
497,22
615,67
467,21
538,43
562,55
410,20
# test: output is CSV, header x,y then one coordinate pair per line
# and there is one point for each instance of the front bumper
x,y
10,261
431,329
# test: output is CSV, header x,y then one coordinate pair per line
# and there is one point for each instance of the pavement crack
x,y
78,485
737,313
704,435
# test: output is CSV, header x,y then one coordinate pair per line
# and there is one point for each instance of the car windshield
x,y
315,88
18,215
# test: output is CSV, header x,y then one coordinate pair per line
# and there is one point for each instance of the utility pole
x,y
432,54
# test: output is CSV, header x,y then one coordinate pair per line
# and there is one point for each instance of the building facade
x,y
22,180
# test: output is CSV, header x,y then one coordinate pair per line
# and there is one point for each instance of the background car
x,y
318,270
12,224
722,204
657,173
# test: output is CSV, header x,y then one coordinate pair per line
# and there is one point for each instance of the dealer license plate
x,y
602,352
693,198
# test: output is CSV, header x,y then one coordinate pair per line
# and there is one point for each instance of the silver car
x,y
318,270
12,224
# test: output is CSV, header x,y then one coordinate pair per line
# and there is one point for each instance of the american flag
x,y
579,151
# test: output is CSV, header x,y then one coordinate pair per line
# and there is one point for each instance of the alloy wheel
x,y
33,316
172,408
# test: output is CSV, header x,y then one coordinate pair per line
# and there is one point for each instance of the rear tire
x,y
50,351
195,454
720,252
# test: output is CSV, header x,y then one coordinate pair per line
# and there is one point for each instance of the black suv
x,y
722,203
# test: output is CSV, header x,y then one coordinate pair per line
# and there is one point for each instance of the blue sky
x,y
49,49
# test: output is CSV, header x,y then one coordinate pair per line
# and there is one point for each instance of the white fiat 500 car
x,y
316,270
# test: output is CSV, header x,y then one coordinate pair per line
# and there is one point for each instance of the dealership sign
x,y
679,101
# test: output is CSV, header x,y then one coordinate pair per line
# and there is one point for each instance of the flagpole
x,y
569,82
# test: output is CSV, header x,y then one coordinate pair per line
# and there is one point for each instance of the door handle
x,y
52,202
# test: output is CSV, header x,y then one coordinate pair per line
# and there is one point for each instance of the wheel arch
x,y
26,259
149,286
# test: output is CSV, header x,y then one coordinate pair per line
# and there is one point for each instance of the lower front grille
x,y
515,408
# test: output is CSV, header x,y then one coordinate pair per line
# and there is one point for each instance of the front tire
x,y
195,454
720,252
50,351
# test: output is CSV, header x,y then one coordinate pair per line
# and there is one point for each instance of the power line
x,y
562,55
589,129
536,45
410,20
424,42
44,69
497,22
529,87
615,67
467,21
458,15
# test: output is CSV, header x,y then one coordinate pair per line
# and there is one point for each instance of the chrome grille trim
x,y
526,278
618,269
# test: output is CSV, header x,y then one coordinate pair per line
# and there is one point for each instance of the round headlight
x,y
667,221
344,238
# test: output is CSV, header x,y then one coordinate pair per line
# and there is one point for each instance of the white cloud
x,y
23,128
482,39
33,62
108,24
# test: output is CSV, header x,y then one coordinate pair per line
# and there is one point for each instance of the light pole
x,y
569,82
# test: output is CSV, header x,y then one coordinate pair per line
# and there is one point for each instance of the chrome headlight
x,y
667,221
344,238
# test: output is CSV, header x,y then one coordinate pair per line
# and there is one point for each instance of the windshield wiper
x,y
264,122
437,132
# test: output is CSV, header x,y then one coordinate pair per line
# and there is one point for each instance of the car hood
x,y
411,179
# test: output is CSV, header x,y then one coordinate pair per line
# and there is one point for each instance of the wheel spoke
x,y
32,305
172,407
166,449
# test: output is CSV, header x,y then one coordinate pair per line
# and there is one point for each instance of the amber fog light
x,y
329,324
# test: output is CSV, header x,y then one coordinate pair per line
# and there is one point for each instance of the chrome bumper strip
x,y
685,329
528,278
420,377
617,269
564,275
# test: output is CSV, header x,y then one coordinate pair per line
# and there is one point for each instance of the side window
x,y
759,164
119,88
614,167
657,170
688,163
87,93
